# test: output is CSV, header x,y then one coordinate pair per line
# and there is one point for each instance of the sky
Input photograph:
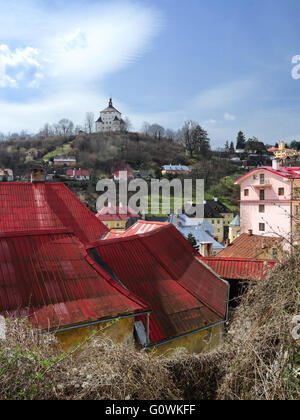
x,y
228,65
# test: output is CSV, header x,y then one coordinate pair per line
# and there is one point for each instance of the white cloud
x,y
67,63
17,66
229,117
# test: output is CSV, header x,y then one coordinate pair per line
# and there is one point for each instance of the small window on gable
x,y
281,191
246,193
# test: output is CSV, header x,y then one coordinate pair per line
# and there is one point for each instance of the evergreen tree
x,y
241,141
201,140
231,148
227,147
191,238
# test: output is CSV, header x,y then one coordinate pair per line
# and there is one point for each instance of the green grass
x,y
62,150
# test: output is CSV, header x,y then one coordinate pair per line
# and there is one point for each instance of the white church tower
x,y
110,119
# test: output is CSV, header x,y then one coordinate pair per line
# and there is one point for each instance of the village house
x,y
270,202
234,229
6,175
117,217
78,174
252,246
203,232
64,161
175,170
110,119
188,300
44,229
282,153
238,272
215,213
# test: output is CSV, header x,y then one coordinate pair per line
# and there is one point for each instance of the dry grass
x,y
258,361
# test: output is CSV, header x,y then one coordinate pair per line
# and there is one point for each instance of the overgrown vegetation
x,y
259,360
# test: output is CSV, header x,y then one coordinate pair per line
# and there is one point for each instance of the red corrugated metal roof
x,y
49,278
249,246
78,172
140,227
285,172
27,206
239,268
116,213
160,267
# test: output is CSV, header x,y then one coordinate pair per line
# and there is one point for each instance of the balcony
x,y
265,183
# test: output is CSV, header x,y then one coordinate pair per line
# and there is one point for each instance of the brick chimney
x,y
250,232
38,175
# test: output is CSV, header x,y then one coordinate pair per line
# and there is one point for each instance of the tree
x,y
191,238
188,139
201,140
157,131
241,141
227,147
127,125
146,128
65,127
89,122
231,148
295,145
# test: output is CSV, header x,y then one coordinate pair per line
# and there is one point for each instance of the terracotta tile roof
x,y
239,268
48,277
160,267
27,206
246,246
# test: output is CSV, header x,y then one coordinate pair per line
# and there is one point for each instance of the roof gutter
x,y
170,340
97,322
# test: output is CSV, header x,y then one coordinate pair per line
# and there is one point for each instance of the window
x,y
246,193
297,210
280,191
262,208
262,178
262,194
255,177
262,227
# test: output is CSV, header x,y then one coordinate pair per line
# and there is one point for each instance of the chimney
x,y
38,175
250,232
228,243
275,164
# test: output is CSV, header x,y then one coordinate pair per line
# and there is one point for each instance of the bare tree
x,y
157,131
127,125
146,128
66,127
89,122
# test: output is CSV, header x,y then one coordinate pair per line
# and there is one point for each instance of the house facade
x,y
270,202
64,161
110,119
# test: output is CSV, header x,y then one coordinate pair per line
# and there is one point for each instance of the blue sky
x,y
226,64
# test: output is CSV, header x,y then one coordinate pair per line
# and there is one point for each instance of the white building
x,y
110,119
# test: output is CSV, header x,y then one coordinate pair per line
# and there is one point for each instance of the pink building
x,y
270,201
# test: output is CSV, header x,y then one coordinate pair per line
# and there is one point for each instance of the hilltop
x,y
100,152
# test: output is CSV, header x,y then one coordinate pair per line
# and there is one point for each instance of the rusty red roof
x,y
49,278
249,246
239,268
116,213
160,267
27,206
138,228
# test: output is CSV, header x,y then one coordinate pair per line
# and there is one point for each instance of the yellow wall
x,y
269,254
228,218
115,224
218,225
234,232
200,342
120,331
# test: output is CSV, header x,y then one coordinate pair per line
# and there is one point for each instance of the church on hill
x,y
110,119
